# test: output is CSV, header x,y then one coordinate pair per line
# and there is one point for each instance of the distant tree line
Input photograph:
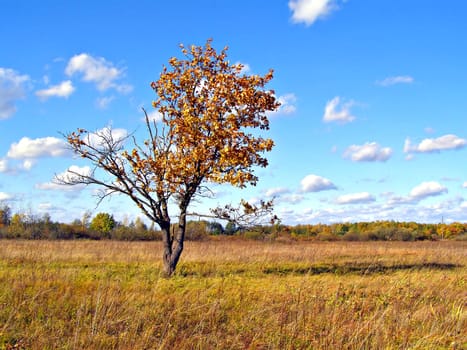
x,y
104,226
387,230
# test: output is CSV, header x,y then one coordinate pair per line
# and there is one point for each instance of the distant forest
x,y
104,226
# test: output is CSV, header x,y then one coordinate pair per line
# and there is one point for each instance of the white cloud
x,y
315,183
245,67
5,196
154,116
442,143
201,86
309,11
3,165
408,145
96,138
28,164
64,89
369,152
445,142
335,111
72,173
11,90
362,197
287,102
291,198
427,189
98,71
419,192
45,207
402,208
28,148
401,79
104,102
287,106
464,185
394,200
283,195
52,186
276,191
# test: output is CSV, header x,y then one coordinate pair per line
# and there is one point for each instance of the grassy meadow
x,y
233,294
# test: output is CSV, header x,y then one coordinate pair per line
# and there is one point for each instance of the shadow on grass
x,y
360,269
337,269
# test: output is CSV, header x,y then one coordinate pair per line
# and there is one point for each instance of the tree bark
x,y
179,239
173,244
168,267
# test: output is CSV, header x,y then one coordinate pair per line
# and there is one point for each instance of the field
x,y
233,294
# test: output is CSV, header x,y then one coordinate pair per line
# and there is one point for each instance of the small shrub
x,y
124,233
403,234
352,237
102,223
255,235
326,236
196,231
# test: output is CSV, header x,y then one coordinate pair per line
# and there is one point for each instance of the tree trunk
x,y
168,267
173,245
179,239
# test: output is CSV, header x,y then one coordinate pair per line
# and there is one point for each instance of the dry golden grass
x,y
232,294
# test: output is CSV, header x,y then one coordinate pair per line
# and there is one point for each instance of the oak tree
x,y
209,109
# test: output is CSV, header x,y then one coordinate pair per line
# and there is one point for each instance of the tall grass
x,y
233,294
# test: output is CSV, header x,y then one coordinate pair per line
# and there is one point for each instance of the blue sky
x,y
374,99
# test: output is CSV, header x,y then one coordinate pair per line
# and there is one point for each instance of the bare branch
x,y
245,216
